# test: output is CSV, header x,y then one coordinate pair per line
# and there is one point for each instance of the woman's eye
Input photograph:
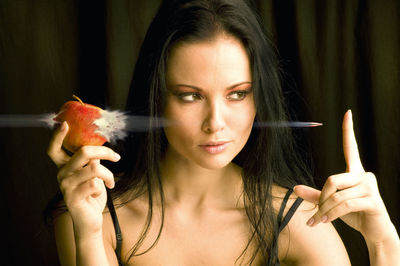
x,y
189,96
237,95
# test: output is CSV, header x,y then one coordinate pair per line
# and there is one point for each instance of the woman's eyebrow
x,y
200,89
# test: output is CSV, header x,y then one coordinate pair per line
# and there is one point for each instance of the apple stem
x,y
76,97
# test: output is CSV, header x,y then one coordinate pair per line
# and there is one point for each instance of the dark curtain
x,y
335,55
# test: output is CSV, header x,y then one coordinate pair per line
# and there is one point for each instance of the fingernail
x,y
350,114
117,156
310,222
324,218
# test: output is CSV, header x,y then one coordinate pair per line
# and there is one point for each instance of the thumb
x,y
307,193
54,150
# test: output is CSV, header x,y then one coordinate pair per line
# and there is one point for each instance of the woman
x,y
211,188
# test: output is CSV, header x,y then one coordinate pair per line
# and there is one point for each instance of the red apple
x,y
81,118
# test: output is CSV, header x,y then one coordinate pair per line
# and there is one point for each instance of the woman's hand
x,y
82,180
353,196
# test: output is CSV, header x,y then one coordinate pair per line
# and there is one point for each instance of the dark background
x,y
336,55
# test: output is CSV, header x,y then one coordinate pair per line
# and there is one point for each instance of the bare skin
x,y
205,223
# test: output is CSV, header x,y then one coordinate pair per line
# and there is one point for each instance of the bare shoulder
x,y
127,212
278,194
300,244
132,218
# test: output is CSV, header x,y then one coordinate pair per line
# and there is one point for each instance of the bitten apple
x,y
81,118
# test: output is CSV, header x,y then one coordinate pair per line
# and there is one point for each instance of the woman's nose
x,y
215,118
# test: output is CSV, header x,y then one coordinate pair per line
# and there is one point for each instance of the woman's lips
x,y
215,147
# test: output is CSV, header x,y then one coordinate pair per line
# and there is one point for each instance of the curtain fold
x,y
335,55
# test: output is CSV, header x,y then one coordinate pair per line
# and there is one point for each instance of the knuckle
x,y
64,187
369,183
85,151
370,177
320,212
92,183
104,172
332,180
60,176
63,183
348,204
368,188
108,173
337,198
94,168
97,170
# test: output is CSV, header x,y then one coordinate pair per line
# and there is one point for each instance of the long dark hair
x,y
269,156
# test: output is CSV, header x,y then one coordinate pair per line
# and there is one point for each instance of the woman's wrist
x,y
385,251
90,249
83,235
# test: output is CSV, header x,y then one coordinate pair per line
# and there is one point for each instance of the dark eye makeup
x,y
190,96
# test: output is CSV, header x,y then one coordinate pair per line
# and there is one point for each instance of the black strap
x,y
117,229
283,205
283,222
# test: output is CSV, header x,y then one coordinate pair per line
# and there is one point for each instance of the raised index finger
x,y
350,149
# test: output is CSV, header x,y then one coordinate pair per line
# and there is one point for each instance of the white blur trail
x,y
115,125
40,120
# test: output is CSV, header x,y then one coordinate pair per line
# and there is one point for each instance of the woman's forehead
x,y
220,60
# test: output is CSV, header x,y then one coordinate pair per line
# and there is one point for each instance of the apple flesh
x,y
81,118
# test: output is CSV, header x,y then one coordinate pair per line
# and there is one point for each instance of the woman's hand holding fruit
x,y
82,180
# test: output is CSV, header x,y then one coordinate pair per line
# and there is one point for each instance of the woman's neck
x,y
189,186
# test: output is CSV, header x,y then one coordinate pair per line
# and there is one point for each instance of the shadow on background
x,y
336,55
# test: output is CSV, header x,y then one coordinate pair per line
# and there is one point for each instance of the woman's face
x,y
210,101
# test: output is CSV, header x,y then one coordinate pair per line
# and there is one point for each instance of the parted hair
x,y
270,156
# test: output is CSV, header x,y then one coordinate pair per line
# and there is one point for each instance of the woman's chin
x,y
213,163
201,159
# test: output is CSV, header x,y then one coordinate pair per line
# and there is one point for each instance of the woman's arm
x,y
386,252
354,197
77,249
82,180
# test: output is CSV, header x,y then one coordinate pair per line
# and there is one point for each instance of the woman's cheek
x,y
243,118
182,133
